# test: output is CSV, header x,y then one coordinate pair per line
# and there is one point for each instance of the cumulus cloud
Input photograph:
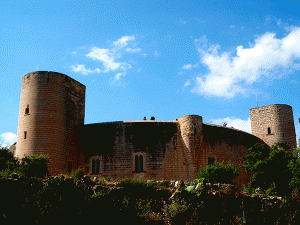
x,y
110,58
236,123
8,139
81,69
123,41
229,75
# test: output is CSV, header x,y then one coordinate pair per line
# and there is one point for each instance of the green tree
x,y
271,168
7,159
33,166
218,173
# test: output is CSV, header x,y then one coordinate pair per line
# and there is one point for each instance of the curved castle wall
x,y
116,145
51,106
51,121
274,123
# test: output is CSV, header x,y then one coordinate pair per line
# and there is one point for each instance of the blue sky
x,y
166,59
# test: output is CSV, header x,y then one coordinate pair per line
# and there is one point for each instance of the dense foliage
x,y
218,173
29,166
7,159
79,199
274,170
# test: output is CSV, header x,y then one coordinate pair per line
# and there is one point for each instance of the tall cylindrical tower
x,y
51,107
274,123
191,129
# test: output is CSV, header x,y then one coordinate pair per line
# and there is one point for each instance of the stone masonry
x,y
51,121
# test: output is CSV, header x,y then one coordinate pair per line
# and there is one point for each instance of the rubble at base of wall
x,y
219,202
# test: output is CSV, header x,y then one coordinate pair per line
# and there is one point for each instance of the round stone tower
x,y
51,107
274,123
191,129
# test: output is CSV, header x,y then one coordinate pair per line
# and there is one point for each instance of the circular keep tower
x,y
51,107
191,129
274,123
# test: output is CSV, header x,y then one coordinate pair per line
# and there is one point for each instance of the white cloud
x,y
122,42
188,83
232,26
236,123
8,139
231,75
110,58
81,69
156,53
189,66
117,79
133,49
182,22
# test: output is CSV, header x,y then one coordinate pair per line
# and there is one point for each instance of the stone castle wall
x,y
117,143
51,106
226,144
274,123
51,121
173,150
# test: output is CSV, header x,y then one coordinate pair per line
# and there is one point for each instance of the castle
x,y
51,121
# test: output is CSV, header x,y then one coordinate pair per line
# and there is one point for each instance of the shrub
x,y
33,166
7,160
132,183
77,175
218,173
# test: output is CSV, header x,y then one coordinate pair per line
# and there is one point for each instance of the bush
x,y
274,170
132,183
33,166
77,175
7,160
218,173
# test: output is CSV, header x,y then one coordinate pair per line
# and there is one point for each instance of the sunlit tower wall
x,y
191,129
274,123
51,107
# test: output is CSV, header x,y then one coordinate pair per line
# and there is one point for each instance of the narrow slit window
x,y
97,166
27,110
25,134
141,163
93,166
211,160
69,167
269,130
136,163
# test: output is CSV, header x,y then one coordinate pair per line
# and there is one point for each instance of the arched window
x,y
97,166
93,167
136,163
139,162
95,162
